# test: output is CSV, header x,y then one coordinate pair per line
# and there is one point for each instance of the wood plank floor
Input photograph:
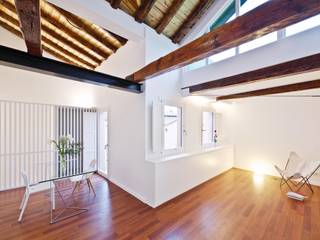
x,y
234,205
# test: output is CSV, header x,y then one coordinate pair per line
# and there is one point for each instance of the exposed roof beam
x,y
84,38
115,3
200,10
51,42
298,66
144,10
268,17
21,60
169,15
57,33
99,33
29,15
48,46
274,90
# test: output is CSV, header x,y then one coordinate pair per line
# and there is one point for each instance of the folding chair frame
x,y
305,180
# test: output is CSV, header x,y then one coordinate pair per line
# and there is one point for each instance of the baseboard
x,y
130,191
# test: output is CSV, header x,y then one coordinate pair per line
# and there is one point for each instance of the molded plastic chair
x,y
30,189
85,177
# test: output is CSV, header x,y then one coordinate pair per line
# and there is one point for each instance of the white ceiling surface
x,y
101,13
266,84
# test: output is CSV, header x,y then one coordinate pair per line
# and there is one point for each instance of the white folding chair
x,y
291,171
85,177
307,172
30,189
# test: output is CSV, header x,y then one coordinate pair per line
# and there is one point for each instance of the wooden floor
x,y
235,205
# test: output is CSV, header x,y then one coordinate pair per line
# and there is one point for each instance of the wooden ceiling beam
x,y
274,90
64,25
250,26
50,42
144,10
29,16
115,3
175,6
297,66
51,29
200,10
102,35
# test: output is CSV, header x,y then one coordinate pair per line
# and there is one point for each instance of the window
x,y
196,65
172,127
259,42
223,55
208,128
250,5
303,25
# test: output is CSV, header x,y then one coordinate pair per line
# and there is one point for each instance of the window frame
x,y
180,148
214,127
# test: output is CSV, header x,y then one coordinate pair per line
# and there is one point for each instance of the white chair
x,y
85,177
293,167
30,189
307,172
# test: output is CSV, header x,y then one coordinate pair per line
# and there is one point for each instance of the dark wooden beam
x,y
274,90
108,41
65,40
21,60
268,17
175,6
45,40
144,10
200,10
115,3
46,14
298,66
29,16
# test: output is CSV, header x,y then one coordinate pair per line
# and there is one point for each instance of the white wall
x,y
126,115
293,47
178,175
265,129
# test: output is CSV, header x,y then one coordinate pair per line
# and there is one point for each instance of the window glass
x,y
303,25
269,38
250,4
196,65
207,127
223,55
172,127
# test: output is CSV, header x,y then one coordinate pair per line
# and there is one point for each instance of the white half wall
x,y
177,176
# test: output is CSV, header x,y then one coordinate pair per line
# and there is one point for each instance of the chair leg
x,y
309,185
22,202
53,197
287,183
91,186
24,207
75,187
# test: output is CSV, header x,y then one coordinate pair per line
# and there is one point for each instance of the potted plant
x,y
66,146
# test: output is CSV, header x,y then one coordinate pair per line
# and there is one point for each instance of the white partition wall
x,y
25,133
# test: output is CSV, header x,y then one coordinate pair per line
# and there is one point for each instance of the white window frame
x,y
214,128
179,149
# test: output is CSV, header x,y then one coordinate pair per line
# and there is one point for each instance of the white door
x,y
89,139
103,144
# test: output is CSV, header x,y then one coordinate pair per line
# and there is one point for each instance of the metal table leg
x,y
58,217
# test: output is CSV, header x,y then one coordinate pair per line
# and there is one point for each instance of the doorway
x,y
103,166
